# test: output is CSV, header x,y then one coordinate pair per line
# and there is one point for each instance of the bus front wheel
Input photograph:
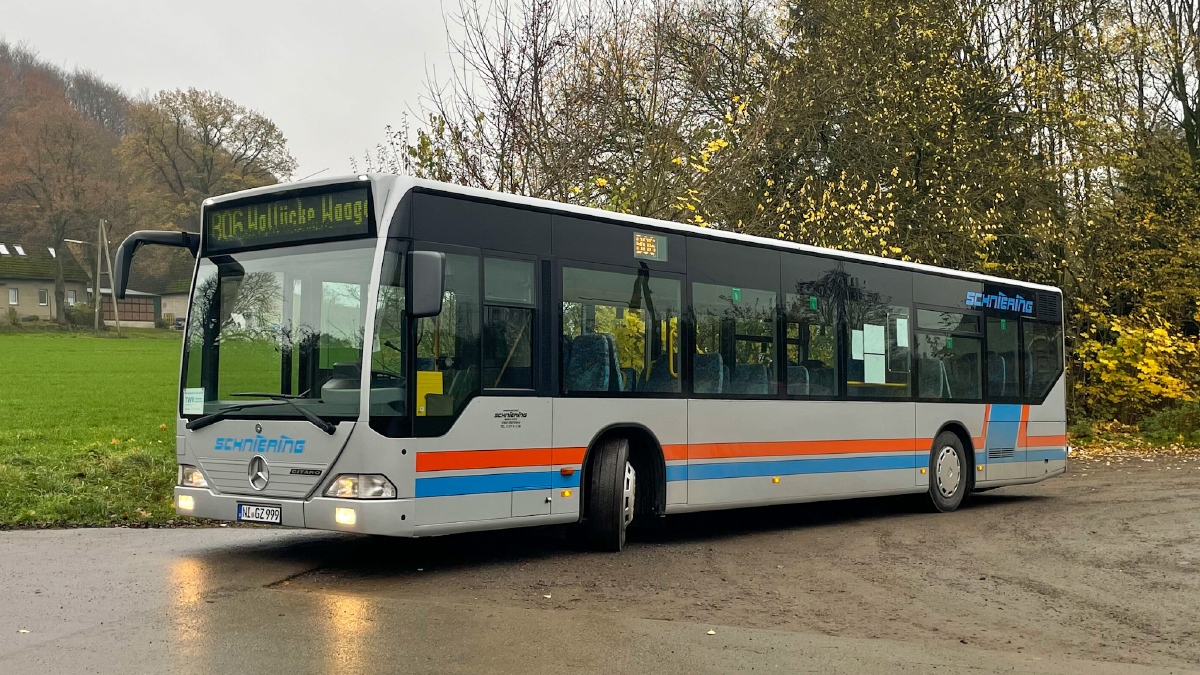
x,y
949,473
612,489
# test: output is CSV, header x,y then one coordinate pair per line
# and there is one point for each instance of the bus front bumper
x,y
392,517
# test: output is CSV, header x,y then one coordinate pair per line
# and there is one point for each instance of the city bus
x,y
396,356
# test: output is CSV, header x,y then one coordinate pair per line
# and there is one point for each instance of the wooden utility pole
x,y
96,279
112,280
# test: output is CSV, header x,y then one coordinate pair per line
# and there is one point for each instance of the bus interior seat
x,y
709,374
797,380
660,378
628,379
997,368
820,378
591,365
934,383
565,345
616,379
750,378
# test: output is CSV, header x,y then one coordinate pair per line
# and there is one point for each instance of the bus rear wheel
x,y
611,491
949,473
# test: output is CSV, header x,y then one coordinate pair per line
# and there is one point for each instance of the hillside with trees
x,y
1055,141
75,149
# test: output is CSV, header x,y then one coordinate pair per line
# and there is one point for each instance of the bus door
x,y
1004,448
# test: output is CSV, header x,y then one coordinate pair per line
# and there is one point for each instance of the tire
x,y
612,488
949,472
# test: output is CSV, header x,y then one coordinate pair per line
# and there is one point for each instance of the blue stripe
x,y
494,482
677,472
1005,413
803,466
1040,455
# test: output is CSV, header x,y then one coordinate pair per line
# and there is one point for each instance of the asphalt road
x,y
1096,572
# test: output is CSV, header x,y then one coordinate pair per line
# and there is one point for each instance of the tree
x,y
184,146
60,164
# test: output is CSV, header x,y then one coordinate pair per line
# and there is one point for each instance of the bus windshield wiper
x,y
201,422
290,399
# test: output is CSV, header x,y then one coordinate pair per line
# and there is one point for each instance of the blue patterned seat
x,y
709,374
591,364
750,378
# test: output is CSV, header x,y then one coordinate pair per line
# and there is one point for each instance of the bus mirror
x,y
428,282
125,251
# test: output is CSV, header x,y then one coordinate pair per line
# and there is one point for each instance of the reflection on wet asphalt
x,y
843,587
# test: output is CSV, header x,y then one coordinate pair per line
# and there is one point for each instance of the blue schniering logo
x,y
261,444
1000,301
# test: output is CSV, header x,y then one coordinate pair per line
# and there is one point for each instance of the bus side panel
x,y
1046,436
747,452
495,462
932,416
577,421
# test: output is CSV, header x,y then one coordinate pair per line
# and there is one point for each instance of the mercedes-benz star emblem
x,y
258,472
258,428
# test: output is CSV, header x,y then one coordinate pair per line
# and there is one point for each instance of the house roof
x,y
32,260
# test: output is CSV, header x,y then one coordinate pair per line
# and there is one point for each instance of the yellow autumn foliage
x,y
1140,364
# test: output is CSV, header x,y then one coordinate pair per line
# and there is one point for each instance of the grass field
x,y
87,428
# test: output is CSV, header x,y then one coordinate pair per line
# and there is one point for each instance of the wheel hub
x,y
948,471
630,493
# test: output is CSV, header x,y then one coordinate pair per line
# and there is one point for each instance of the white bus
x,y
388,355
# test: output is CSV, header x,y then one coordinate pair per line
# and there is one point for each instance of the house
x,y
27,279
170,281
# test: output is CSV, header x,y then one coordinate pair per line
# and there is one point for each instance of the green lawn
x,y
87,428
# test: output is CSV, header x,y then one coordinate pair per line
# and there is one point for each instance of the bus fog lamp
x,y
186,503
345,516
190,476
361,486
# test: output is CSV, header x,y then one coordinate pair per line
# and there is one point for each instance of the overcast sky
x,y
330,74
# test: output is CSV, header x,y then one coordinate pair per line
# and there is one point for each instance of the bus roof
x,y
404,183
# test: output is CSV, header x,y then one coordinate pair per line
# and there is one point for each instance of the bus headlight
x,y
361,486
190,476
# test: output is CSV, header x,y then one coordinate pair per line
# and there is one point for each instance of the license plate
x,y
255,513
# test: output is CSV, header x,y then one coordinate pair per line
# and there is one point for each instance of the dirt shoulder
x,y
1103,564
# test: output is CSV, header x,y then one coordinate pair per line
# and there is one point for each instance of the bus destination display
x,y
297,220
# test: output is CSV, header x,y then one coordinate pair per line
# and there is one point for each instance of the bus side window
x,y
620,332
508,288
1043,356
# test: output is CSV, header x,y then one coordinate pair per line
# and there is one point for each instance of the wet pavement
x,y
251,600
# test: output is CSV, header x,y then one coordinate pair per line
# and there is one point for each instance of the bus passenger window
x,y
1003,366
948,367
1043,356
877,328
735,340
508,289
620,332
811,345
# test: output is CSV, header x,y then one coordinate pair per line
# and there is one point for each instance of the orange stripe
x,y
675,452
483,459
1023,429
773,449
981,441
1053,440
569,455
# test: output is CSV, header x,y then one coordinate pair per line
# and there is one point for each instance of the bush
x,y
1178,424
80,315
1134,366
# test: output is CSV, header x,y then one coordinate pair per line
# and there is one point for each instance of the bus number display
x,y
649,247
315,217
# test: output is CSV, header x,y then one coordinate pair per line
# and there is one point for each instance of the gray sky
x,y
330,74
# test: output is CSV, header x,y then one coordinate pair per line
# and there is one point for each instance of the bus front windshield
x,y
283,323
